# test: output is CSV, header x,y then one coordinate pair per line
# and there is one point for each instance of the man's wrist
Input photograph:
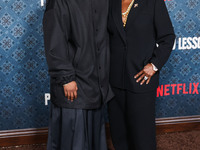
x,y
68,83
65,84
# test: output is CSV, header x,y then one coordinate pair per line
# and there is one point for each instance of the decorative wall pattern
x,y
23,71
183,67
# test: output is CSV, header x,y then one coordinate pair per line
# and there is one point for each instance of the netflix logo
x,y
181,88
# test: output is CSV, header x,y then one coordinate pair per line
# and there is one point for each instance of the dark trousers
x,y
76,129
132,120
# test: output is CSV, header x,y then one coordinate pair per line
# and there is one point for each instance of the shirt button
x,y
95,11
99,67
97,30
98,49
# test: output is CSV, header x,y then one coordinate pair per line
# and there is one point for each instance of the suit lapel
x,y
137,6
116,13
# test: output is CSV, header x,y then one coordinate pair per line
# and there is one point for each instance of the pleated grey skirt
x,y
76,129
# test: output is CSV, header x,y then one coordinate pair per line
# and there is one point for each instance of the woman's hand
x,y
145,74
70,90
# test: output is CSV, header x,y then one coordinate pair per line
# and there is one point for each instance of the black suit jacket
x,y
77,49
134,46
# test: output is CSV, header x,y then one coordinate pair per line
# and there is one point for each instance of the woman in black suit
x,y
141,40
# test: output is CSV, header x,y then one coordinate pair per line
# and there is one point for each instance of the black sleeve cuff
x,y
65,79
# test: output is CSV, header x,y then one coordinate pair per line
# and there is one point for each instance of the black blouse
x,y
77,49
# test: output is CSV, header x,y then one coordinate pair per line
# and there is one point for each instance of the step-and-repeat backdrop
x,y
23,70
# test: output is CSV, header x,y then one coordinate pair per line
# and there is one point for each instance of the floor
x,y
170,141
179,141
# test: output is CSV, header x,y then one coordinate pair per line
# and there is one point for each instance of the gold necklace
x,y
125,14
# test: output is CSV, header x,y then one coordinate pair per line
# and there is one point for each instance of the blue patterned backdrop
x,y
184,64
23,70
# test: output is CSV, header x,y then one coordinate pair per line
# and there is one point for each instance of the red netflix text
x,y
181,88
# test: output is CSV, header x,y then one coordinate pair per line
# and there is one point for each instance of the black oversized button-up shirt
x,y
77,48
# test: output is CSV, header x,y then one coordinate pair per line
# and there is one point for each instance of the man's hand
x,y
70,90
147,73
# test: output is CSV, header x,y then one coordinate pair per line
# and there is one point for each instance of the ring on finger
x,y
146,78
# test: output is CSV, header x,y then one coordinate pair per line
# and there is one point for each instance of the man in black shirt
x,y
77,53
